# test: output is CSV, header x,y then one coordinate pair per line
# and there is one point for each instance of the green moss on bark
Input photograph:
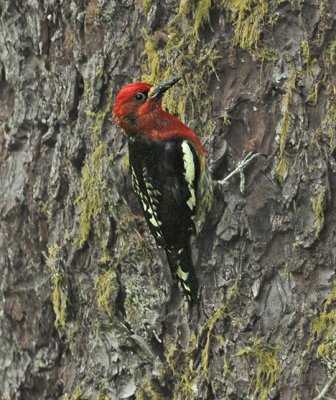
x,y
318,204
59,295
202,14
285,124
59,301
324,330
220,314
268,367
146,5
92,197
248,18
104,285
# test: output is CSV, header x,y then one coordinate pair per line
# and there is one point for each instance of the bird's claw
x,y
240,170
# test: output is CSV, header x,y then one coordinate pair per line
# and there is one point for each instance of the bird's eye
x,y
141,97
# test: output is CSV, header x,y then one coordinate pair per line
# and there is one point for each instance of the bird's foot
x,y
240,170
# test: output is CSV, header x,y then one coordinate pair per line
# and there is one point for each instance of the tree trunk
x,y
88,308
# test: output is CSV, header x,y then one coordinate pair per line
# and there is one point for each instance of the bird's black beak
x,y
157,91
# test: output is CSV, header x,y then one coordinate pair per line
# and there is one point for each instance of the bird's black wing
x,y
165,176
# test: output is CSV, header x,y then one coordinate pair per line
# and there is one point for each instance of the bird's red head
x,y
137,104
129,105
138,110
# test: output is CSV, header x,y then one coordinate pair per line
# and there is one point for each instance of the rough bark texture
x,y
85,310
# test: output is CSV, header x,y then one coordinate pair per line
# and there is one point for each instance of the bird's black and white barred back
x,y
166,176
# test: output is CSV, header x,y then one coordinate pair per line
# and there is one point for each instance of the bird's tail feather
x,y
182,268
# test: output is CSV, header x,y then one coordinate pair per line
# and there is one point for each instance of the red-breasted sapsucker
x,y
169,173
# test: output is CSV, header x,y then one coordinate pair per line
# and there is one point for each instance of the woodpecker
x,y
169,174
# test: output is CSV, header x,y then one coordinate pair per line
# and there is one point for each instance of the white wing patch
x,y
189,172
181,274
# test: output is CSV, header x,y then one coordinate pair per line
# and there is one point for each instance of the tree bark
x,y
88,307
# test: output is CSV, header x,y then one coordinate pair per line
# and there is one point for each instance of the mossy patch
x,y
149,390
332,53
285,124
202,14
220,314
59,295
324,330
248,18
59,301
328,125
327,129
189,378
268,367
306,59
146,6
92,198
318,204
313,95
78,395
152,58
104,285
102,396
180,362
